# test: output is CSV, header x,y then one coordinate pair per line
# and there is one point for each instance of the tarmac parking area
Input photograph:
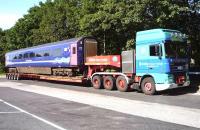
x,y
35,105
15,118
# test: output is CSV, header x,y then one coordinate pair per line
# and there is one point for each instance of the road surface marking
x,y
34,116
11,112
167,113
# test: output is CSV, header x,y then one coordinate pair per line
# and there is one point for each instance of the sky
x,y
12,10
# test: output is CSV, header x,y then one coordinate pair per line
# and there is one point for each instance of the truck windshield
x,y
175,49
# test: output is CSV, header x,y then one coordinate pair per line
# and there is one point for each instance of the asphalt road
x,y
22,110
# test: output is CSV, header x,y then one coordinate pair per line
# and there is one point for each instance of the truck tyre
x,y
121,84
148,86
97,82
109,83
17,76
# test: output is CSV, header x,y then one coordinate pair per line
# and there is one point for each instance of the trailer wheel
x,y
121,84
109,83
13,77
97,82
8,76
148,86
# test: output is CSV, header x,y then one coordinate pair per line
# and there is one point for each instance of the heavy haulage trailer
x,y
159,62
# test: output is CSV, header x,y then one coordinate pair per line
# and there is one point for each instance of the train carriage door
x,y
90,48
73,60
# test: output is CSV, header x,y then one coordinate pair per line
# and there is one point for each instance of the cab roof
x,y
155,35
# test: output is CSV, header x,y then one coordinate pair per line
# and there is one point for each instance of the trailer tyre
x,y
121,84
148,86
109,83
12,77
97,82
8,76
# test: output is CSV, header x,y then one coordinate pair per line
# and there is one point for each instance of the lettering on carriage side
x,y
67,49
62,60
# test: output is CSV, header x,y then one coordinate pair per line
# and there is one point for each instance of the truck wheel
x,y
18,78
121,84
148,86
9,76
97,82
109,83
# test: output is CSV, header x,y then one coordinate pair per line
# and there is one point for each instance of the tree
x,y
113,22
3,49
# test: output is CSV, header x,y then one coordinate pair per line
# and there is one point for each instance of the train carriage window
x,y
20,56
46,54
57,52
26,55
15,57
32,55
39,54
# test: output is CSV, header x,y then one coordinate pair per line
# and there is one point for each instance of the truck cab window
x,y
154,50
175,49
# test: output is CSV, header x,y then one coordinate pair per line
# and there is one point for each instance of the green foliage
x,y
113,22
130,45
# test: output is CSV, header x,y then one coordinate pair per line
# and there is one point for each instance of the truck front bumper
x,y
160,87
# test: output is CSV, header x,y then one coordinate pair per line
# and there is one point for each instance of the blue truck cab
x,y
161,58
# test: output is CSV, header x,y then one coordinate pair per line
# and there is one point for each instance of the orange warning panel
x,y
111,60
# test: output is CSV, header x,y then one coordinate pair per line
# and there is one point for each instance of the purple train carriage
x,y
64,58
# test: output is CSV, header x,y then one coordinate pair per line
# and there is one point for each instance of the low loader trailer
x,y
159,62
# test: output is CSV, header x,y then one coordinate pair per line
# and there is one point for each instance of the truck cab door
x,y
73,59
155,64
